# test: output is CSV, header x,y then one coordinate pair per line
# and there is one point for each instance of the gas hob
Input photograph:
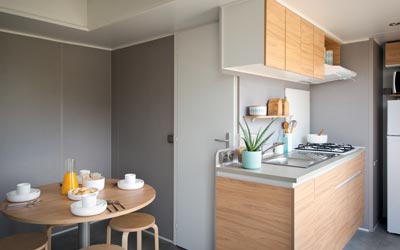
x,y
326,147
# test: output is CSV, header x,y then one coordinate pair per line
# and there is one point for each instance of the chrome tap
x,y
276,144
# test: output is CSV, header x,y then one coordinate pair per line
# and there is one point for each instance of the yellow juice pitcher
x,y
70,180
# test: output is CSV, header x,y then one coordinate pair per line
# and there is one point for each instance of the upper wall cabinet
x,y
275,15
392,54
262,37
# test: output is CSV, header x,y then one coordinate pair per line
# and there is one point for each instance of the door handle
x,y
226,140
170,139
221,140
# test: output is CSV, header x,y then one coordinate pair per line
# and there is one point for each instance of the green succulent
x,y
256,143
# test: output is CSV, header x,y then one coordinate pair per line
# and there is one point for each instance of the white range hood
x,y
332,73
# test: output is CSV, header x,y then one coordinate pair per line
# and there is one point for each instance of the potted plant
x,y
252,155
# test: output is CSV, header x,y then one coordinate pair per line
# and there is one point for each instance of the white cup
x,y
89,200
23,188
130,178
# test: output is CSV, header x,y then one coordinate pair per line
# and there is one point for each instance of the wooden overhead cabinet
x,y
392,54
334,46
319,53
293,42
307,48
275,34
262,37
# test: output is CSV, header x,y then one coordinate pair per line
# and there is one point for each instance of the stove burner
x,y
326,147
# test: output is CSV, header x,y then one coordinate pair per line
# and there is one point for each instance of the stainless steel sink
x,y
299,159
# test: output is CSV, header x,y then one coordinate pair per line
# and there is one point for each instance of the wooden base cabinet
x,y
322,213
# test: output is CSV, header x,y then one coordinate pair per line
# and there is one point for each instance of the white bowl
x,y
99,184
315,138
77,197
122,184
258,110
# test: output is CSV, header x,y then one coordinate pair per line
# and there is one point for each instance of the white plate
x,y
14,197
138,184
74,197
78,210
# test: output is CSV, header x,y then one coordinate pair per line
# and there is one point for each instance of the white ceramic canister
x,y
258,110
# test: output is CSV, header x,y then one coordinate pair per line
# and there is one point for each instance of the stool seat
x,y
135,222
132,222
25,241
103,247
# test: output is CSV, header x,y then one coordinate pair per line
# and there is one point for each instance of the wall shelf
x,y
254,117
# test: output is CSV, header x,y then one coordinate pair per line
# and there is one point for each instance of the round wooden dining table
x,y
54,208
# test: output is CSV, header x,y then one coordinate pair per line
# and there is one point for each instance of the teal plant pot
x,y
251,160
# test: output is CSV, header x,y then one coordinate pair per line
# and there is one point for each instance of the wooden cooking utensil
x,y
285,126
293,125
321,132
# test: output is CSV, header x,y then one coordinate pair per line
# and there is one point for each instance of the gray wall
x,y
347,109
255,90
142,117
387,83
54,103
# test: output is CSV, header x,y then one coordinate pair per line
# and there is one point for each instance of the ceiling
x,y
352,20
347,21
158,21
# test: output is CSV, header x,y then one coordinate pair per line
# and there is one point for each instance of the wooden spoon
x,y
285,126
321,132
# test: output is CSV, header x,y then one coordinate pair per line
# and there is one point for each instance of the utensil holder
x,y
288,140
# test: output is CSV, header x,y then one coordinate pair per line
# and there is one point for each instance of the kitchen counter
x,y
284,176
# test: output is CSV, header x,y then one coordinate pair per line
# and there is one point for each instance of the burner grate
x,y
326,147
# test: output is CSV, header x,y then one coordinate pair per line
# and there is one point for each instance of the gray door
x,y
142,119
204,111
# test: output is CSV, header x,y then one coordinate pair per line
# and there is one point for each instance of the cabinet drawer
x,y
349,170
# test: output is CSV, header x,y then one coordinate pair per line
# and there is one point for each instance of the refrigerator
x,y
393,166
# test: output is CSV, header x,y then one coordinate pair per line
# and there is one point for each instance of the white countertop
x,y
284,176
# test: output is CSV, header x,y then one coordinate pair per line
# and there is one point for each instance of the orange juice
x,y
70,182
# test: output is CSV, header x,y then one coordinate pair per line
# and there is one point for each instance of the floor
x,y
69,240
378,240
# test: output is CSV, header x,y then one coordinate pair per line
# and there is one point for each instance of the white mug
x,y
130,178
23,188
89,200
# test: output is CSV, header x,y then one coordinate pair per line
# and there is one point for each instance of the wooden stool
x,y
49,230
25,241
103,247
135,222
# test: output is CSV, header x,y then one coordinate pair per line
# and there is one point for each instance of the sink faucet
x,y
276,144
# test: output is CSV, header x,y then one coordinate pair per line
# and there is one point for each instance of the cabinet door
x,y
307,48
304,216
275,34
356,195
293,42
319,49
325,210
252,216
392,54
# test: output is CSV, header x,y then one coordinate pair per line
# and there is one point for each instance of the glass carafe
x,y
70,180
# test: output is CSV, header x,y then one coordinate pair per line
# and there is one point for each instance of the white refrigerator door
x,y
393,184
393,120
